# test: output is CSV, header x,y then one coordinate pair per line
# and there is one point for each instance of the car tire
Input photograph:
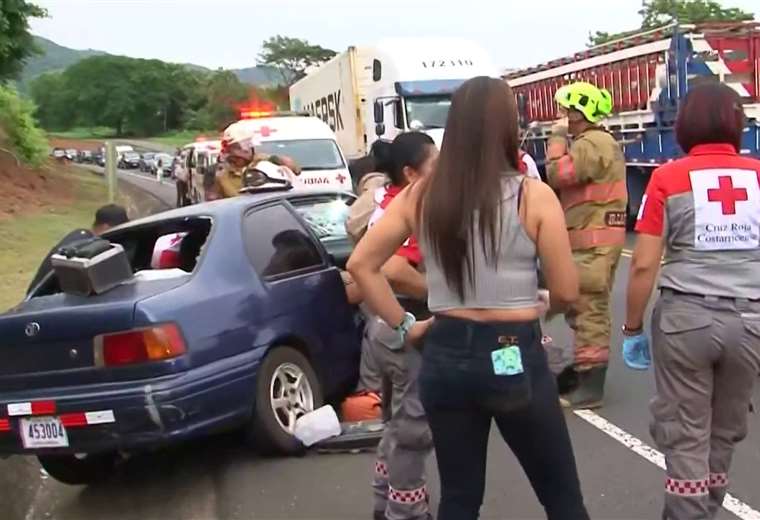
x,y
79,470
267,429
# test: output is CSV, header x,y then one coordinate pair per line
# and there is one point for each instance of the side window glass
x,y
277,244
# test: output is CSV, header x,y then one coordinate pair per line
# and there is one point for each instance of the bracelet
x,y
406,324
632,332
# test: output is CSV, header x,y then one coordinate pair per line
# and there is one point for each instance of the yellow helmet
x,y
593,102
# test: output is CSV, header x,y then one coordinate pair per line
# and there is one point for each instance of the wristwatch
x,y
632,332
406,325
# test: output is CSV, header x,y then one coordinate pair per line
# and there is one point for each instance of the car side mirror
x,y
379,112
379,129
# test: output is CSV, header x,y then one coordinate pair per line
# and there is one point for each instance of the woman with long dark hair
x,y
703,211
482,228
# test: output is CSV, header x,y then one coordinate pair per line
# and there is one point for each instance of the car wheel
x,y
79,469
286,388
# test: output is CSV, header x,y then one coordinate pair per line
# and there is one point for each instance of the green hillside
x,y
55,57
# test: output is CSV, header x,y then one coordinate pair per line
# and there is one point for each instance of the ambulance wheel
x,y
79,469
286,388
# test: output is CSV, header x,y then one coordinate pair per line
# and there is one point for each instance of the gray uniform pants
x,y
399,481
706,358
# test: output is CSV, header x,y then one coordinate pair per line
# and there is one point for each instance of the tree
x,y
16,42
53,100
224,94
656,13
292,56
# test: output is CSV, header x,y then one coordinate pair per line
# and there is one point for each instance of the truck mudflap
x,y
355,437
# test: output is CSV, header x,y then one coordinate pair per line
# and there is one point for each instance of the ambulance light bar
x,y
257,114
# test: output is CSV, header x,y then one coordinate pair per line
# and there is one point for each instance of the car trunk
x,y
49,341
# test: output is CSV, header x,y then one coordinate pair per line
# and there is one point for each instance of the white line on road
x,y
732,504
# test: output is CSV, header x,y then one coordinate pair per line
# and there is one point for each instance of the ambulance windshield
x,y
425,112
309,154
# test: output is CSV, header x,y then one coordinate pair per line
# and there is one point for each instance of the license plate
x,y
43,432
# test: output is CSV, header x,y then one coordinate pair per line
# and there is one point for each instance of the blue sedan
x,y
249,327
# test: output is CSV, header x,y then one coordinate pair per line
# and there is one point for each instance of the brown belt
x,y
603,237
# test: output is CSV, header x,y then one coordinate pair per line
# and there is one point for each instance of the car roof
x,y
231,205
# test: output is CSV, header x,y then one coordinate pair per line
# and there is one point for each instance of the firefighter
x,y
237,154
589,174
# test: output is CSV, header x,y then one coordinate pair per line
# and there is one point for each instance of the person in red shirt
x,y
703,211
399,484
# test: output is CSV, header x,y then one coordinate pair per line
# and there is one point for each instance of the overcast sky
x,y
228,33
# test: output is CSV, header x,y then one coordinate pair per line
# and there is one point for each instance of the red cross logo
x,y
727,195
340,178
265,131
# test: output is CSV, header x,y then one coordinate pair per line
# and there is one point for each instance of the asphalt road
x,y
219,478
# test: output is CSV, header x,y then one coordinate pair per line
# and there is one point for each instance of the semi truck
x,y
376,92
648,74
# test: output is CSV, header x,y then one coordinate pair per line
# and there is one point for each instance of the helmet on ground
x,y
593,102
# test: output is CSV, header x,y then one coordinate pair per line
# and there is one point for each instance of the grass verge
x,y
180,138
25,240
99,132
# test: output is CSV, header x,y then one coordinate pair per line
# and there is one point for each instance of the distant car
x,y
58,153
71,154
130,160
99,158
147,162
84,156
246,325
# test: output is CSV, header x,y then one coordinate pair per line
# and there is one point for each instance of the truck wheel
x,y
286,388
79,469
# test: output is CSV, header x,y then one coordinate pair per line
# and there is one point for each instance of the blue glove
x,y
636,352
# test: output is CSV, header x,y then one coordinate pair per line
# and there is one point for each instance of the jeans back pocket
x,y
502,393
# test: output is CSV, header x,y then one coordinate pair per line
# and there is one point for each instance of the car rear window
x,y
171,244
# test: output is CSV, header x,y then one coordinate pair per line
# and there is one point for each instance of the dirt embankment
x,y
23,189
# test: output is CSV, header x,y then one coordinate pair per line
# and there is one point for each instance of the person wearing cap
x,y
106,217
589,174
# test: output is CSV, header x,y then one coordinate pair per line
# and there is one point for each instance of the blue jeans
x,y
461,395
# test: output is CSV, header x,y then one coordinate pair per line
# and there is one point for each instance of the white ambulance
x,y
306,140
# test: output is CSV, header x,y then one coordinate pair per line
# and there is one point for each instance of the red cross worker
x,y
703,212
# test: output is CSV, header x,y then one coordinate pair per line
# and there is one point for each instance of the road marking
x,y
628,253
732,504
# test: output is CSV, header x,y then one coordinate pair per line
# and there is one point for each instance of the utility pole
x,y
111,160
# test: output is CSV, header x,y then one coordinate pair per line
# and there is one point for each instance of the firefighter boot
x,y
590,392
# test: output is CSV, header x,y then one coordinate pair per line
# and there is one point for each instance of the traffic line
x,y
628,253
731,503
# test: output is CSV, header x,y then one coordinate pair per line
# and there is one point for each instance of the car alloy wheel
x,y
290,395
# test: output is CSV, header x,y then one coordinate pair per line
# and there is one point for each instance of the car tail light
x,y
139,346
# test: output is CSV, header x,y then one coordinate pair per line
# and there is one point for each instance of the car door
x,y
303,293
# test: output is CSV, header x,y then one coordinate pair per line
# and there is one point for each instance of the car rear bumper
x,y
145,414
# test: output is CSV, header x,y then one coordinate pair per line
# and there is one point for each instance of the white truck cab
x,y
306,140
397,85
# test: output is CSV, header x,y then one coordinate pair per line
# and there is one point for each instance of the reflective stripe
x,y
686,488
591,355
718,480
588,238
78,419
413,496
32,408
566,172
599,192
